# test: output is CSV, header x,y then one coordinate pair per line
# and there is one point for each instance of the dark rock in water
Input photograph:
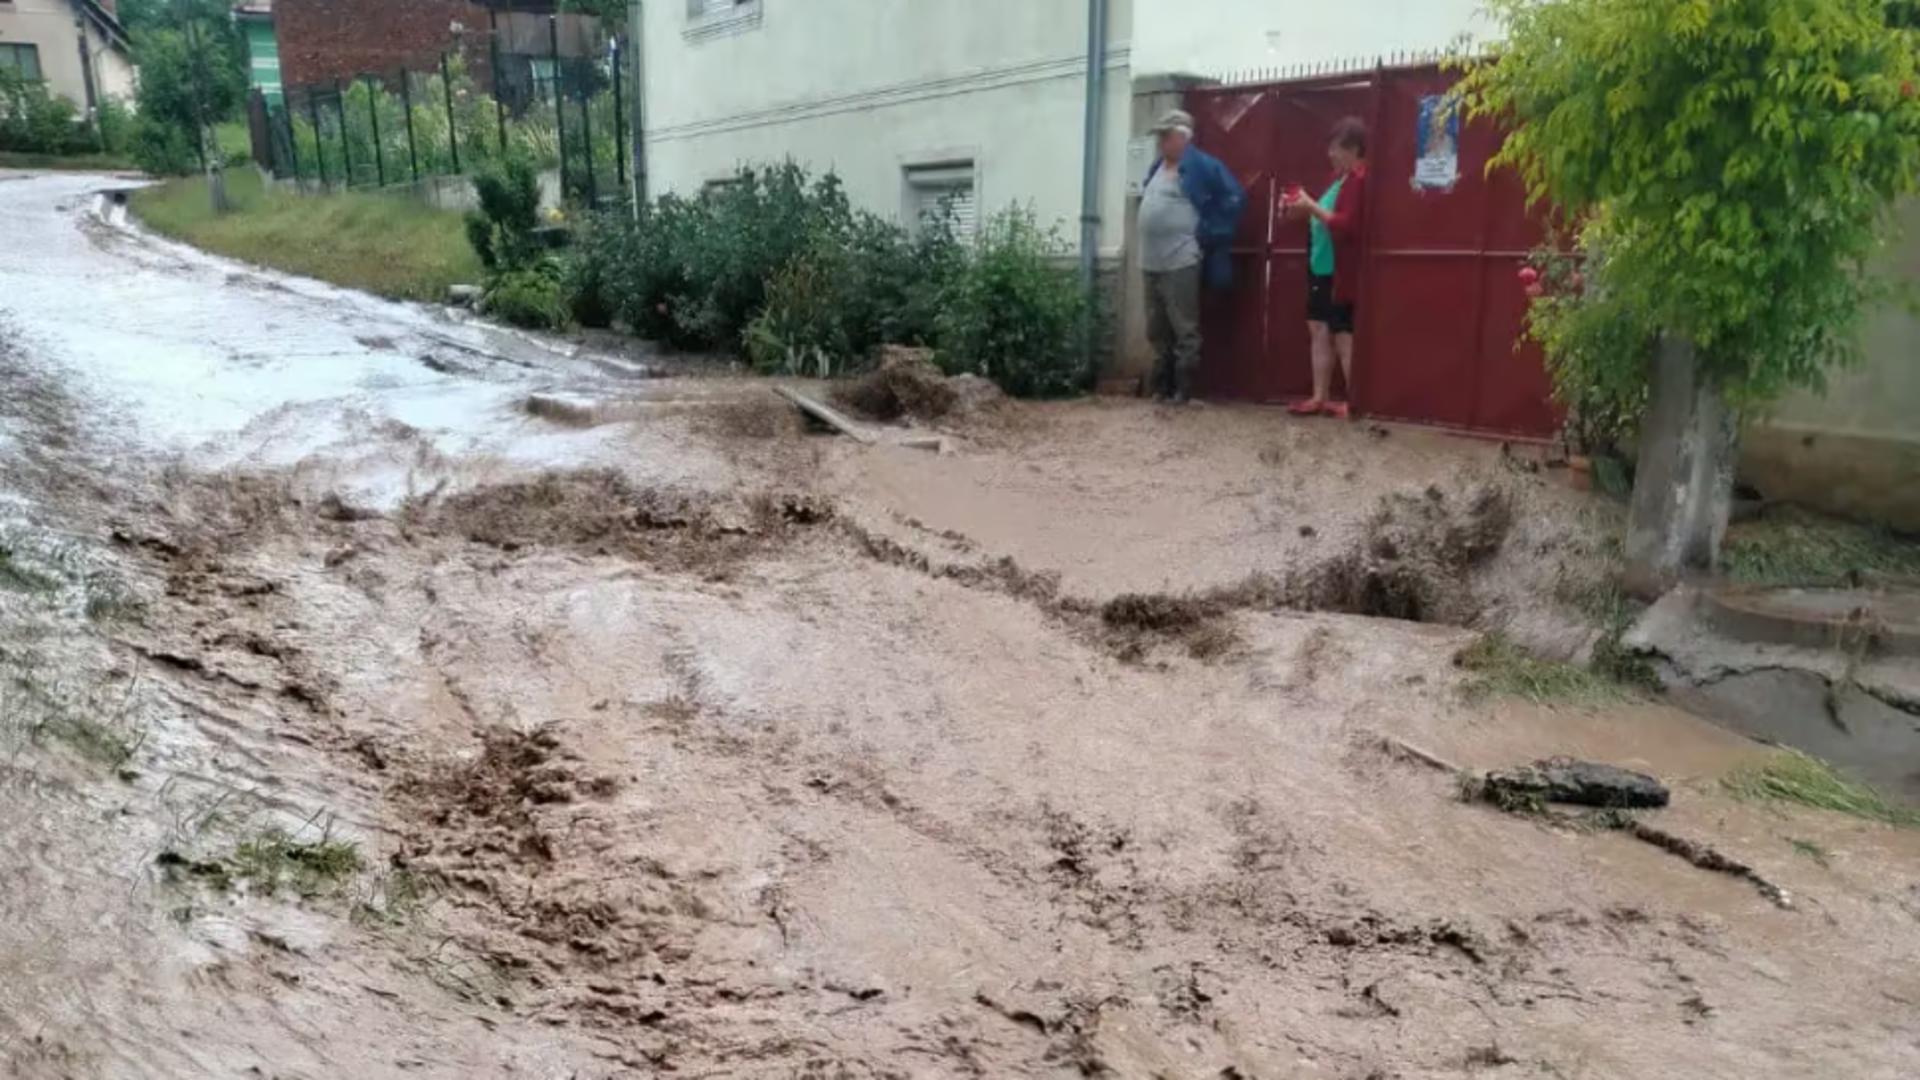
x,y
1584,783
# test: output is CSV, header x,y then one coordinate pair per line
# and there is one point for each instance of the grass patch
x,y
1811,850
273,860
1795,547
386,243
68,162
1497,667
1791,776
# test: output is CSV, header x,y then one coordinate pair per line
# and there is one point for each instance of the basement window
x,y
716,18
943,193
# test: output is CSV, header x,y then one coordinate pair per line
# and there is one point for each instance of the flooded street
x,y
361,716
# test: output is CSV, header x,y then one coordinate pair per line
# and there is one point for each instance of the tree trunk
x,y
1683,486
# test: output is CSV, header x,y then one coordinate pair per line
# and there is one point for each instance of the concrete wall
x,y
49,25
1854,450
868,88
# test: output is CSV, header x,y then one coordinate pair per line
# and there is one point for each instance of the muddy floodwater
x,y
357,720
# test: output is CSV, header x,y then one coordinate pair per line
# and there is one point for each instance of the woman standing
x,y
1333,264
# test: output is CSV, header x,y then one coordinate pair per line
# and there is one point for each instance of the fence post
x,y
346,151
373,120
406,102
499,106
319,148
559,100
453,127
293,140
619,119
586,143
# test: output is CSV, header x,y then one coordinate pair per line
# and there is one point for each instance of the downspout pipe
x,y
637,34
1090,166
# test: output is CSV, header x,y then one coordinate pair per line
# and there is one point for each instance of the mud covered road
x,y
358,721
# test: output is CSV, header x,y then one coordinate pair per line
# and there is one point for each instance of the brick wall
x,y
323,40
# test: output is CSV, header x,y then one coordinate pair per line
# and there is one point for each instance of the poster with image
x,y
1437,164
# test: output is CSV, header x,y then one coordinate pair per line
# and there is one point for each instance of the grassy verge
x,y
385,243
1497,667
69,162
1794,547
1791,776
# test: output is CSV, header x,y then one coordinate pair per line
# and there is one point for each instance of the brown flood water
x,y
765,755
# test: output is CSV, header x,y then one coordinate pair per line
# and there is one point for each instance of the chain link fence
x,y
554,89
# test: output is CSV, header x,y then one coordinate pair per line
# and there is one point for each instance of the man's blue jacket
x,y
1219,199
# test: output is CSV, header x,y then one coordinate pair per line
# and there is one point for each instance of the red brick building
x,y
324,40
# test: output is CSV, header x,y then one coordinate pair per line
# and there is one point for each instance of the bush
x,y
529,296
34,121
116,125
780,266
1014,313
163,149
501,230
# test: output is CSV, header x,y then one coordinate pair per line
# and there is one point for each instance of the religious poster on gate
x,y
1436,165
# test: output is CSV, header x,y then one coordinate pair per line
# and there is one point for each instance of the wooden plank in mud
x,y
826,414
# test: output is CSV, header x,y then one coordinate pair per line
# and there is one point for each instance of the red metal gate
x,y
1438,335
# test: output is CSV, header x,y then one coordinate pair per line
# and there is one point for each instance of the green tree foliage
x,y
780,266
34,121
193,68
1013,313
1727,167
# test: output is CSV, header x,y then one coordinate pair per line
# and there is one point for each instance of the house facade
x,y
255,19
972,106
77,47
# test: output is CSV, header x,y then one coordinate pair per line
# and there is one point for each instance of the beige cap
x,y
1174,120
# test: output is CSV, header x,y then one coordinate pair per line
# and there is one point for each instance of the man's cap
x,y
1173,120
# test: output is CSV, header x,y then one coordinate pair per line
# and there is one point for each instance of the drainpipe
x,y
1090,165
86,76
637,32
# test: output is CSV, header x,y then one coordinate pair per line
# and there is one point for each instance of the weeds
x,y
1499,668
1795,547
392,899
273,860
1811,850
1791,776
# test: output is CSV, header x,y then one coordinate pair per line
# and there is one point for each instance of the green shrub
x,y
529,296
801,331
586,277
781,267
35,121
501,230
1014,313
116,125
163,149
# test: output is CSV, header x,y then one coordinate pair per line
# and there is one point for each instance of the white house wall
x,y
1207,37
868,88
48,24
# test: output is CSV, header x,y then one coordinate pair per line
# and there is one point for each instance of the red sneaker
x,y
1306,408
1339,410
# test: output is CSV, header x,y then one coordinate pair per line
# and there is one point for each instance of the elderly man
x,y
1188,213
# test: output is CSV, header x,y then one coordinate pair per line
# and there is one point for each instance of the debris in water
x,y
1582,783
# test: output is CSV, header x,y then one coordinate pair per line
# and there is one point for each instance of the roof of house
x,y
108,22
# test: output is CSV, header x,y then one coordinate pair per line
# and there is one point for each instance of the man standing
x,y
1188,213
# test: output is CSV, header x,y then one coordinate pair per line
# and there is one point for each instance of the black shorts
x,y
1321,308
